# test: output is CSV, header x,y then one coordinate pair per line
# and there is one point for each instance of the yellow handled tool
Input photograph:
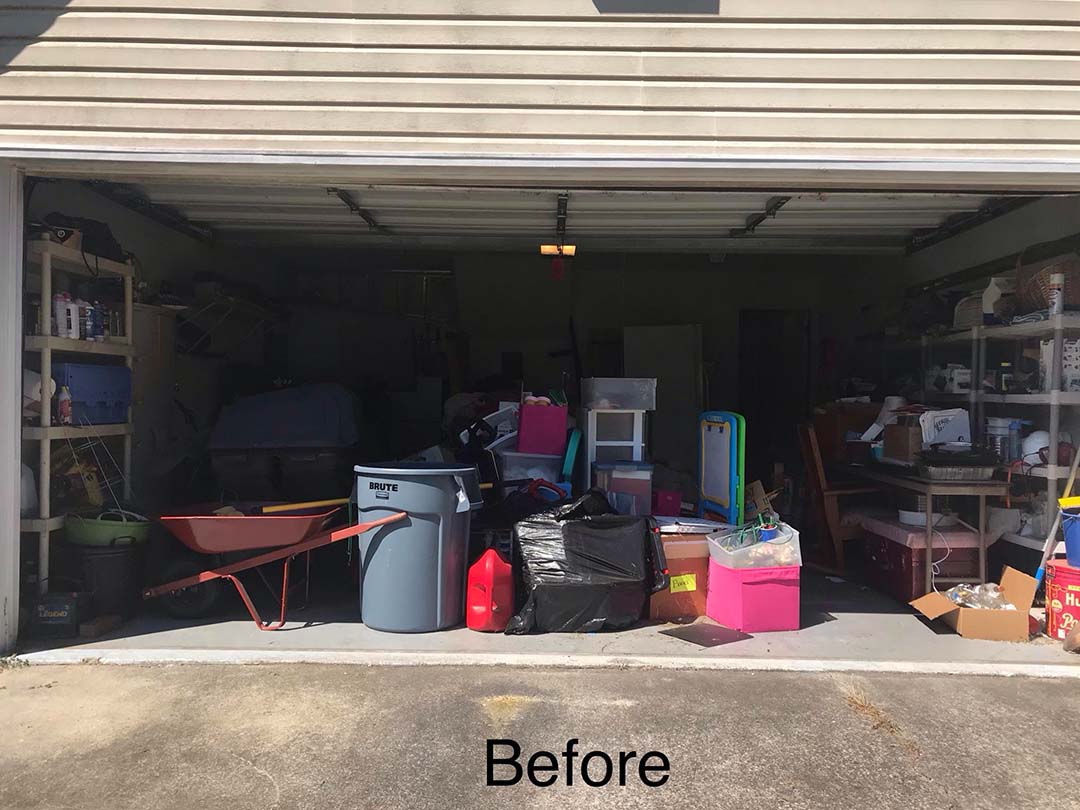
x,y
1064,502
292,507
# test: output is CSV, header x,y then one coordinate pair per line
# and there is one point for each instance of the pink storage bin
x,y
753,600
542,429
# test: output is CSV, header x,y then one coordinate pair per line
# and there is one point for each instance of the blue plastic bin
x,y
1070,524
100,395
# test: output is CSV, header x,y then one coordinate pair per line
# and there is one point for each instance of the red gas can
x,y
490,599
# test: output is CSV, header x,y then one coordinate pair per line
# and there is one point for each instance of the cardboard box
x,y
903,442
990,625
687,550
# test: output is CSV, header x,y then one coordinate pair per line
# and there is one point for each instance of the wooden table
x,y
931,488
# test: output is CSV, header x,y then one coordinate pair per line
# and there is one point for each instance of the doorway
x,y
774,385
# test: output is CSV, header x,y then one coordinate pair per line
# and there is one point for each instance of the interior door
x,y
774,385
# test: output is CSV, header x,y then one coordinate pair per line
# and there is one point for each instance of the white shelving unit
x,y
50,257
1056,328
623,433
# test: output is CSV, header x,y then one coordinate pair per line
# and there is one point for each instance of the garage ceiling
x,y
597,220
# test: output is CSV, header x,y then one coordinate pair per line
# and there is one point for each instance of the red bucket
x,y
1062,598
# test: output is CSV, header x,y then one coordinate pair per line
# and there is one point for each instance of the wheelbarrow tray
x,y
286,553
198,528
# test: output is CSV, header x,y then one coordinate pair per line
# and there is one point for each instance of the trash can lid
x,y
416,468
469,481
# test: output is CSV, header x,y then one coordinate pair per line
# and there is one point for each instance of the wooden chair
x,y
825,498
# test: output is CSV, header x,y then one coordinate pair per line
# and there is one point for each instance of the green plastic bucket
x,y
107,529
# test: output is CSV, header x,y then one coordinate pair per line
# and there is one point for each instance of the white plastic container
x,y
619,393
998,435
28,494
514,466
71,328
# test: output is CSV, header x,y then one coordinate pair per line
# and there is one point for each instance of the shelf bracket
x,y
755,220
354,206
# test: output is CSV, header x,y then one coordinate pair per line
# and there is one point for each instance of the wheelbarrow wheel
x,y
197,601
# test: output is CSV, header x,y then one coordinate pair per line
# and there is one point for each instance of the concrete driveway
x,y
313,736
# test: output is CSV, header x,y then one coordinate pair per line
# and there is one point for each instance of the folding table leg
x,y
929,542
982,538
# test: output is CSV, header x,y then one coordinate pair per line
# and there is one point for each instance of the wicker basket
x,y
968,312
956,473
1033,282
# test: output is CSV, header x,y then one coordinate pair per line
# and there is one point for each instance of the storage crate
x,y
754,600
100,395
628,484
899,569
618,393
514,466
542,429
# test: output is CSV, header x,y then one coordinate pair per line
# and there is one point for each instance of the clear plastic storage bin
x,y
780,551
514,466
619,393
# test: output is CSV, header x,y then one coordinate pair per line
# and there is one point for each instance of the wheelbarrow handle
x,y
360,528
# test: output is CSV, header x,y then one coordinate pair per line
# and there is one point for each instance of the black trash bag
x,y
585,569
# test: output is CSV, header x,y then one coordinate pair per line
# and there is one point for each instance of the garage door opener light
x,y
558,250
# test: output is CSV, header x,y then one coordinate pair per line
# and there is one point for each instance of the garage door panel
x,y
548,123
538,93
985,79
880,171
566,65
653,34
961,10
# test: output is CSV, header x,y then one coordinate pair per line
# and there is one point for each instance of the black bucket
x,y
111,575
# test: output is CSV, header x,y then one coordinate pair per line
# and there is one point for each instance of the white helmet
x,y
1034,443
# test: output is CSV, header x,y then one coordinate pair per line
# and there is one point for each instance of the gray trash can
x,y
412,573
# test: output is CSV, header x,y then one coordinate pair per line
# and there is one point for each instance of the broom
x,y
1064,502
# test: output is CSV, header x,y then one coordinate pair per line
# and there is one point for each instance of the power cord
x,y
935,565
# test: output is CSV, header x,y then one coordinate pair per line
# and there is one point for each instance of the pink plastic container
x,y
753,600
542,429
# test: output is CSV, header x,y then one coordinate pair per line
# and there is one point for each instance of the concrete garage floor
x,y
845,628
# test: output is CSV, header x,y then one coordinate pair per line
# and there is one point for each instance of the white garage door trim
x,y
11,249
707,173
991,176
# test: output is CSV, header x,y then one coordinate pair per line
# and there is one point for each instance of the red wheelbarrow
x,y
286,535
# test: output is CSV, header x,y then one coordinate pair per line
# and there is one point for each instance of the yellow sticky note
x,y
683,583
